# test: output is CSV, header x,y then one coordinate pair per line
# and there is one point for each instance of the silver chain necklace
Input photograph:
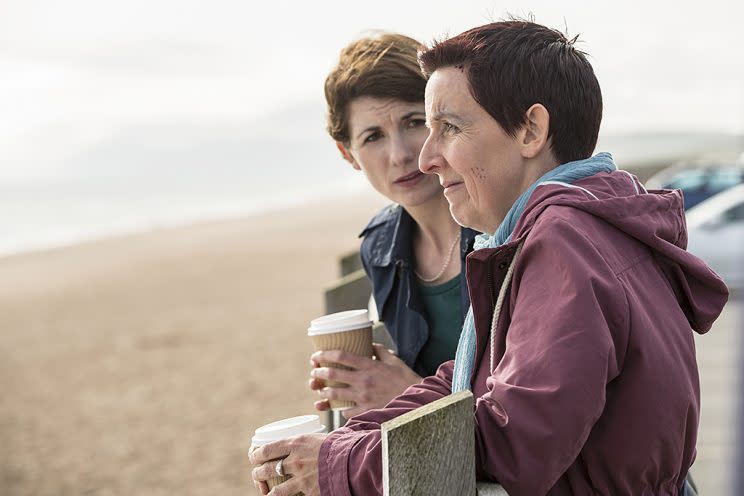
x,y
444,267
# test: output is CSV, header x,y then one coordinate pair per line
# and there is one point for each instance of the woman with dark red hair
x,y
578,346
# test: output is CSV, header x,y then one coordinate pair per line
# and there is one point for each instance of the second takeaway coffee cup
x,y
348,331
284,429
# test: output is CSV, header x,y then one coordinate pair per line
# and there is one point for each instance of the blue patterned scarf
x,y
566,173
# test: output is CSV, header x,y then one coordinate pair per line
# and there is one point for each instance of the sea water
x,y
134,187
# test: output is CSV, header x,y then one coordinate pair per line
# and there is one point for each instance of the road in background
x,y
720,357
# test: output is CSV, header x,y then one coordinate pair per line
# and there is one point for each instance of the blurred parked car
x,y
716,234
698,180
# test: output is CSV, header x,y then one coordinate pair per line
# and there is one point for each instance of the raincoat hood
x,y
656,219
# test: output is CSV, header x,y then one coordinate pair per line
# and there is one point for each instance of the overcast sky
x,y
72,72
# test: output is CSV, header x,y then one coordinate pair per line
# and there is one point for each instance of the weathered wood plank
x,y
348,293
430,450
381,335
351,262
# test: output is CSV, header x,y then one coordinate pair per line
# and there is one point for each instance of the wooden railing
x,y
351,291
431,450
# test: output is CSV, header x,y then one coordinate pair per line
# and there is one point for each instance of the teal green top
x,y
442,303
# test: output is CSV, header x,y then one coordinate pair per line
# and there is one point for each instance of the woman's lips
x,y
409,179
452,186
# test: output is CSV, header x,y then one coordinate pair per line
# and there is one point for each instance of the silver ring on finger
x,y
279,468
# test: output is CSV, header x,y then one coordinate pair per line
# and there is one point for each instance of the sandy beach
x,y
141,365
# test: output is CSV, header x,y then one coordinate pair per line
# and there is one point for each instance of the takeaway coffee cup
x,y
284,429
349,331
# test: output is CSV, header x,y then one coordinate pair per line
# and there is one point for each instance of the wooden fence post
x,y
351,262
430,450
350,292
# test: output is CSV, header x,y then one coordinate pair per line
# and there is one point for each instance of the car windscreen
x,y
721,179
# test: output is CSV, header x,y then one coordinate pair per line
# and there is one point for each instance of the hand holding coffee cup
x,y
349,331
270,449
372,383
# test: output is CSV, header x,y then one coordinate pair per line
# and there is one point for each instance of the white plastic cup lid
x,y
286,428
339,322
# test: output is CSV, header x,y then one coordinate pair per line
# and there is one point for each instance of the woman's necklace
x,y
444,267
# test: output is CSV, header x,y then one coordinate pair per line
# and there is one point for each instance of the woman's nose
x,y
428,164
403,152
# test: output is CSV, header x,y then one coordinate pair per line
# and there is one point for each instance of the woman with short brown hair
x,y
413,251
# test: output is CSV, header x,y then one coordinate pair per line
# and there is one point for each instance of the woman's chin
x,y
418,197
459,218
466,218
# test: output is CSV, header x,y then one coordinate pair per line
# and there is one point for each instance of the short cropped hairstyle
x,y
383,66
512,65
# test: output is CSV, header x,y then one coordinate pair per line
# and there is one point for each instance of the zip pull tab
x,y
400,265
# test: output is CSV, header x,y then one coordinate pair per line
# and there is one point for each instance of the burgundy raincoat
x,y
594,387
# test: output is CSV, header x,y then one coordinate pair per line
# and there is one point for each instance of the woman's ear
x,y
534,136
347,155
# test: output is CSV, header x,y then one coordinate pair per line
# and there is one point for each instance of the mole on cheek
x,y
479,173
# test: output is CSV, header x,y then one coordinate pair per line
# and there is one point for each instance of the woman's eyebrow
x,y
370,128
412,114
441,116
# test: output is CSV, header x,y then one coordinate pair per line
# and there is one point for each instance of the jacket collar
x,y
390,234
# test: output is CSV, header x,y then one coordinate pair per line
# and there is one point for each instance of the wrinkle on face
x,y
479,173
378,114
398,137
477,150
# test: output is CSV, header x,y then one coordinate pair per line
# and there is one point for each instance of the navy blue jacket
x,y
387,257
